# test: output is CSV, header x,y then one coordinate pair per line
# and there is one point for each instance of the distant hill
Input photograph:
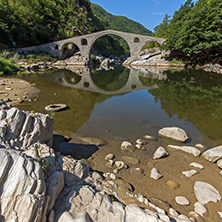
x,y
29,23
119,23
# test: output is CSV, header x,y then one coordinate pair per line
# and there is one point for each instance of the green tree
x,y
197,29
162,29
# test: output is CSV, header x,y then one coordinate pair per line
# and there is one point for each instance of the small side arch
x,y
84,42
68,50
136,40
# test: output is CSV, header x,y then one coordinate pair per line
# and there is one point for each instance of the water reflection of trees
x,y
111,80
195,96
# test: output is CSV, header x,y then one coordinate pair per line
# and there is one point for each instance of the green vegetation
x,y
119,23
7,62
41,21
28,23
195,32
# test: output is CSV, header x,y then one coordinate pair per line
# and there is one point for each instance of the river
x,y
132,102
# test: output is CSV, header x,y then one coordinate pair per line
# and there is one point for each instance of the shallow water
x,y
132,102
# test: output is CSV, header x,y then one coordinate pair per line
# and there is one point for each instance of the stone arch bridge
x,y
85,43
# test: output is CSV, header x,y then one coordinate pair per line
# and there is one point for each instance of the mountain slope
x,y
119,23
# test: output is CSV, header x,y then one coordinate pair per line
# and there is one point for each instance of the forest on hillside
x,y
194,33
35,22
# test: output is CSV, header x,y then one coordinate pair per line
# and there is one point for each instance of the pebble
x,y
8,88
7,100
109,163
182,201
160,153
151,138
219,163
197,165
140,147
120,165
141,142
109,156
199,146
172,185
189,173
127,146
109,176
155,174
196,216
220,213
199,208
173,212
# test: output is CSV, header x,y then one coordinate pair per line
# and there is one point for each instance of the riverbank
x,y
105,179
15,90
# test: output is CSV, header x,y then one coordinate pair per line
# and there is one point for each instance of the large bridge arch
x,y
109,32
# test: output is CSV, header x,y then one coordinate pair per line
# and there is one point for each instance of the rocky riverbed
x,y
104,180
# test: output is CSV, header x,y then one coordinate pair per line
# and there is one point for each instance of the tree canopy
x,y
196,29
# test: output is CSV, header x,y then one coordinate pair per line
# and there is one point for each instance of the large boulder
x,y
174,133
22,187
20,129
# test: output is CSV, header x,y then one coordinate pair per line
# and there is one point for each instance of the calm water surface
x,y
132,102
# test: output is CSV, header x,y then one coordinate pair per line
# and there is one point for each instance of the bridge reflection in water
x,y
130,80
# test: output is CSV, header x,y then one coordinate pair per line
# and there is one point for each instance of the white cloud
x,y
156,2
157,13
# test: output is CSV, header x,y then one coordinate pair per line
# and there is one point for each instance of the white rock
x,y
220,213
135,214
120,165
199,208
156,208
219,163
213,154
188,149
22,129
182,201
175,133
109,176
55,186
197,165
109,156
151,138
22,187
155,174
173,212
205,193
124,145
200,146
160,153
74,217
184,218
189,173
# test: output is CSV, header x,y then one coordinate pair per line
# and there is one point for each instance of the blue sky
x,y
149,13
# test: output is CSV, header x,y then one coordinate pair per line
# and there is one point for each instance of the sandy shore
x,y
15,90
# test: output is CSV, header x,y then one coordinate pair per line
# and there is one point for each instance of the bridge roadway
x,y
86,83
86,42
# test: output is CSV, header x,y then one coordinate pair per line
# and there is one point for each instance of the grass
x,y
8,60
178,62
6,66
